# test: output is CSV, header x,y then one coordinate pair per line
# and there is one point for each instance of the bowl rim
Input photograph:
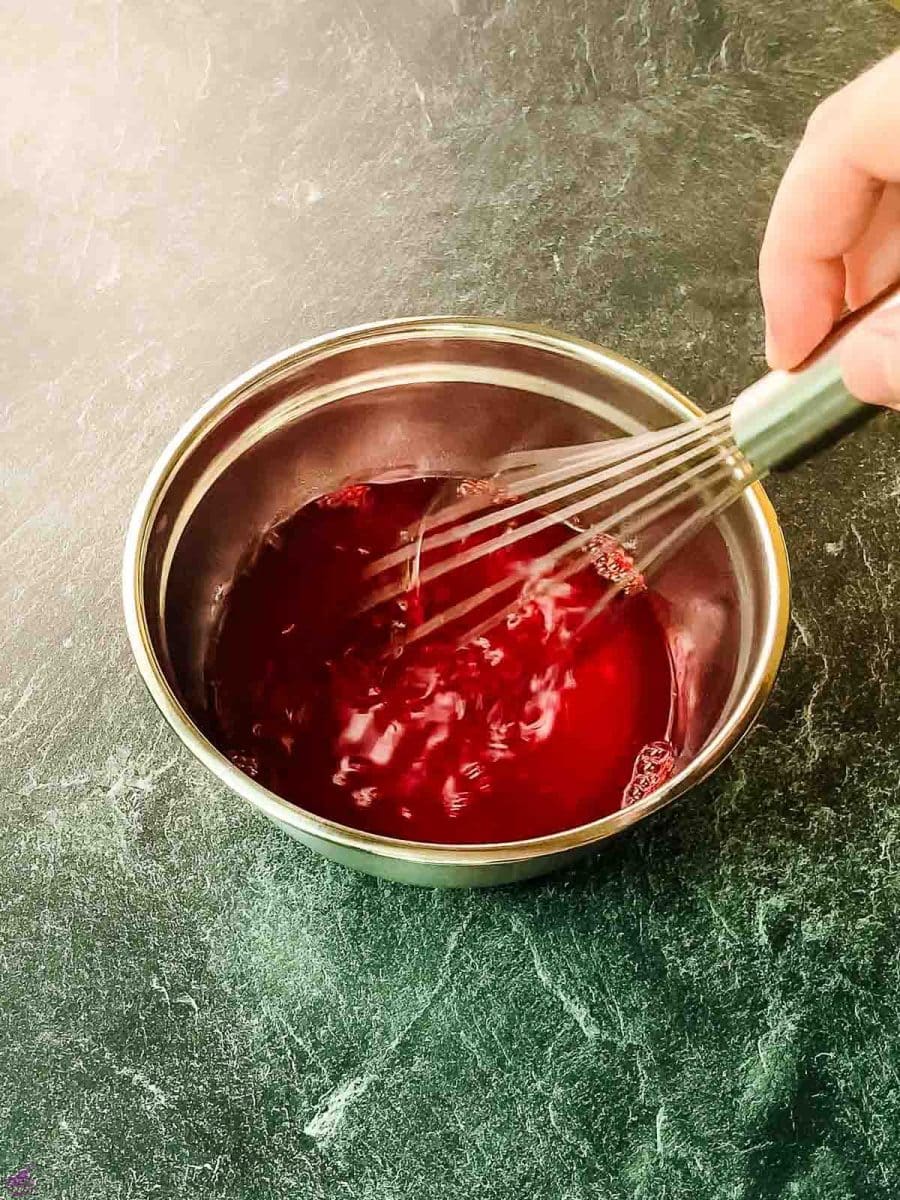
x,y
307,824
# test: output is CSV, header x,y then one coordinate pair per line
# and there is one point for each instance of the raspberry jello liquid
x,y
537,726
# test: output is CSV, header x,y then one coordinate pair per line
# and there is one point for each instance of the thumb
x,y
870,359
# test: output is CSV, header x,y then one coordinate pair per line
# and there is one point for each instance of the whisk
x,y
649,493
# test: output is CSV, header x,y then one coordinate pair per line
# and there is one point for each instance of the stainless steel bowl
x,y
420,396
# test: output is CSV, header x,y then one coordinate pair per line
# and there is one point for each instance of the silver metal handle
x,y
786,415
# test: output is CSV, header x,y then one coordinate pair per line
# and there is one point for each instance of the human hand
x,y
834,235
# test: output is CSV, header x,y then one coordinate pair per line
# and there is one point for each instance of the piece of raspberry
x,y
652,767
354,495
613,562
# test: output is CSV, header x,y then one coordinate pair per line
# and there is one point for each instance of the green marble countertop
x,y
190,1003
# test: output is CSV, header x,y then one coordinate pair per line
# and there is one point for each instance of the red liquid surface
x,y
525,731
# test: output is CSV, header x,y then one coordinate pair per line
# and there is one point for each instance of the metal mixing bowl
x,y
434,396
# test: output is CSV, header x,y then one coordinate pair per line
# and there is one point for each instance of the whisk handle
x,y
786,416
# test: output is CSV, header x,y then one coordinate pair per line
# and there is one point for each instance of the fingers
x,y
820,210
874,261
870,360
829,197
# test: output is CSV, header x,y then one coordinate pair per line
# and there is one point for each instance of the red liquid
x,y
526,731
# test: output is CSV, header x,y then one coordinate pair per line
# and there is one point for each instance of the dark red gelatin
x,y
527,730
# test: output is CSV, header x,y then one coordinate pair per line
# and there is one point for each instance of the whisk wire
x,y
665,467
670,544
547,519
582,480
627,459
615,447
580,542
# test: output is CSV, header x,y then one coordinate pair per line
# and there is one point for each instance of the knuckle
x,y
823,118
832,114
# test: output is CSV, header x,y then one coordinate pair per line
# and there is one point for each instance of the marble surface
x,y
190,1003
